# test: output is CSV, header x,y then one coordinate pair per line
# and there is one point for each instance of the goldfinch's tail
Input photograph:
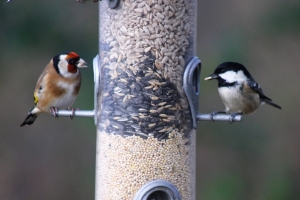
x,y
29,119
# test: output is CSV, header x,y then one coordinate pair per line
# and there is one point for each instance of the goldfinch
x,y
58,86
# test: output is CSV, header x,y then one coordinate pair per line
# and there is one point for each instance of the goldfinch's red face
x,y
67,64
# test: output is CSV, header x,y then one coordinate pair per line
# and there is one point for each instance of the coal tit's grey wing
x,y
256,87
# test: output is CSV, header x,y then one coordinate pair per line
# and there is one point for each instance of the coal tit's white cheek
x,y
228,76
232,76
241,77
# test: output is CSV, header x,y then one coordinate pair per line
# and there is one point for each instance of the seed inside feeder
x,y
145,130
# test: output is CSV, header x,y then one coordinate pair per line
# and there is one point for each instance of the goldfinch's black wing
x,y
29,119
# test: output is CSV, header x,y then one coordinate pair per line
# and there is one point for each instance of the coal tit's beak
x,y
212,76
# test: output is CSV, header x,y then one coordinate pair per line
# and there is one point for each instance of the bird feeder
x,y
146,100
145,134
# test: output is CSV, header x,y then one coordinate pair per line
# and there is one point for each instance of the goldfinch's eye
x,y
72,61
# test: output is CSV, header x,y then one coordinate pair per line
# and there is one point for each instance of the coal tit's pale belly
x,y
237,101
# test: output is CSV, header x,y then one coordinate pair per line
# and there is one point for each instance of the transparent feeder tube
x,y
144,130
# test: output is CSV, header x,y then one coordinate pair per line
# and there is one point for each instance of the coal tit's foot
x,y
232,116
73,111
214,114
54,111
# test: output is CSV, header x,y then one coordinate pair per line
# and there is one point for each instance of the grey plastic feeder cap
x,y
158,190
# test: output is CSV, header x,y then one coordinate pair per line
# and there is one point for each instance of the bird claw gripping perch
x,y
213,114
54,112
191,87
73,111
232,116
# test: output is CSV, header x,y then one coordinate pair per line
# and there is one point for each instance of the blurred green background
x,y
258,159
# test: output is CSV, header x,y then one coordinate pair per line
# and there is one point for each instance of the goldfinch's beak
x,y
212,76
82,64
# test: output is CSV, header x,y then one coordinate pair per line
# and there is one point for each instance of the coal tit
x,y
240,93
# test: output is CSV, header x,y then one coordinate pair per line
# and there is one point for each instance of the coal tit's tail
x,y
272,104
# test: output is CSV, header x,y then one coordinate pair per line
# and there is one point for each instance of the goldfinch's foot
x,y
73,111
54,111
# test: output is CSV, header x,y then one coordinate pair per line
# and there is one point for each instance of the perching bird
x,y
240,93
58,86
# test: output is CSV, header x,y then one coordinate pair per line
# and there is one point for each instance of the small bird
x,y
57,86
240,93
